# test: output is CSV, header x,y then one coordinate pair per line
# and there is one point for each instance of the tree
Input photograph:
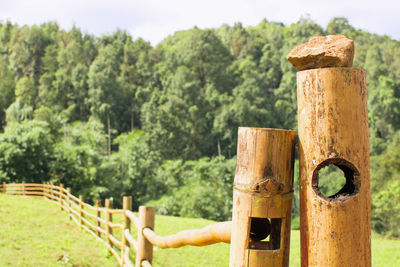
x,y
133,168
78,159
340,25
25,98
26,152
384,113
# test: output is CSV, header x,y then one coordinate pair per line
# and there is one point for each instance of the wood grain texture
x,y
145,248
210,234
333,129
263,189
126,205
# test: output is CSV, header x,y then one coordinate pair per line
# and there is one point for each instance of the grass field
x,y
35,232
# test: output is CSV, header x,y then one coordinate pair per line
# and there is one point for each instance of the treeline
x,y
113,116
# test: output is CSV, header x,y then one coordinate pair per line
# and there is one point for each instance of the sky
x,y
154,20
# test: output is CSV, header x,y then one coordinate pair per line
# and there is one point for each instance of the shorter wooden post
x,y
80,210
145,248
60,196
108,219
98,214
126,205
23,188
262,198
4,187
68,202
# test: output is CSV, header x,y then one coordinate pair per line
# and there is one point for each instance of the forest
x,y
112,115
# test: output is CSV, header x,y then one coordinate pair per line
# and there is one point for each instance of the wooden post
x,y
23,188
44,189
51,191
68,203
145,248
4,187
262,198
60,196
98,214
126,205
108,218
333,130
80,210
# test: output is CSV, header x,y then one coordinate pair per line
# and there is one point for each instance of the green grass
x,y
35,232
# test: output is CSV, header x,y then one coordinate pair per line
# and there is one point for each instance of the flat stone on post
x,y
323,52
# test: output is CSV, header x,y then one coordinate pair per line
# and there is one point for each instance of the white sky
x,y
153,20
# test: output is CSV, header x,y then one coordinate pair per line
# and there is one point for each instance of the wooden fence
x,y
118,237
260,227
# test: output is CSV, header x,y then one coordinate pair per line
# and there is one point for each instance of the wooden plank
x,y
113,211
127,261
131,240
211,234
115,225
115,241
133,218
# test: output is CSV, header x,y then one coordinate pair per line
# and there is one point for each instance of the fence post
x,y
108,204
333,130
23,188
44,189
262,198
80,210
98,214
68,203
60,196
51,191
145,248
126,205
4,187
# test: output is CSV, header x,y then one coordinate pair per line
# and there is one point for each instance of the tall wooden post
x,y
145,248
98,215
126,205
108,218
23,188
262,198
333,130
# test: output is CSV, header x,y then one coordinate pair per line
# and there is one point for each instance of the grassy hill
x,y
35,232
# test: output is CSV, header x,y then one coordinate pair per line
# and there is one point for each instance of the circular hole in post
x,y
336,179
331,180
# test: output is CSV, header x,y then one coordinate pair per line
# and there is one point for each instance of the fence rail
x,y
98,221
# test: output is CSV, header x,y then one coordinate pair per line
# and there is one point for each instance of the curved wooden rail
x,y
211,234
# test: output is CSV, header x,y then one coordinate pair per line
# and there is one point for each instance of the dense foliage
x,y
113,116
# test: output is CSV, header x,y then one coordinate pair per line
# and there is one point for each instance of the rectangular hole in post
x,y
265,233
